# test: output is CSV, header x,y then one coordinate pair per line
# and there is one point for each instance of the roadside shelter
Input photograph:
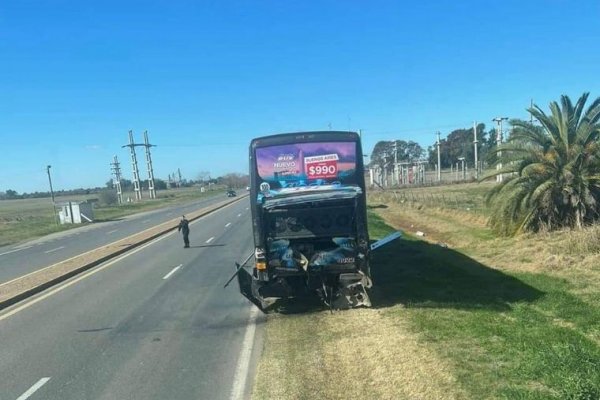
x,y
75,212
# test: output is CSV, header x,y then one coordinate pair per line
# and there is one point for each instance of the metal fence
x,y
418,198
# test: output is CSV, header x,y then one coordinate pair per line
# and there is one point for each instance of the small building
x,y
75,212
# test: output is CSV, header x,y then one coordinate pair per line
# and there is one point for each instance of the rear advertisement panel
x,y
306,166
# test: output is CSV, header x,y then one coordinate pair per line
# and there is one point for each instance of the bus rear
x,y
309,219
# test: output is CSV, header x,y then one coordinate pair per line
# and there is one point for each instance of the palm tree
x,y
552,171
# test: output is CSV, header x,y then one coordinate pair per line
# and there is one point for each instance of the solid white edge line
x,y
34,388
243,364
52,250
210,240
82,276
167,276
226,226
14,250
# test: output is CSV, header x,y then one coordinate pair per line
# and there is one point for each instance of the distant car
x,y
231,193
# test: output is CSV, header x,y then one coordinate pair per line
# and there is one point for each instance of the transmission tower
x,y
134,166
136,174
116,170
149,165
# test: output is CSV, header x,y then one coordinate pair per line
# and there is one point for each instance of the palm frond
x,y
552,171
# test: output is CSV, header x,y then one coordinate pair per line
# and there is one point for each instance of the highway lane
x,y
139,327
27,257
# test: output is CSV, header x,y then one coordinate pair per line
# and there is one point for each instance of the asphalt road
x,y
154,323
21,259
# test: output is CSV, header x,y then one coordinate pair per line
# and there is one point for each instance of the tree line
x,y
11,194
458,143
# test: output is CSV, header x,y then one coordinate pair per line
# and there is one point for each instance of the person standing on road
x,y
184,228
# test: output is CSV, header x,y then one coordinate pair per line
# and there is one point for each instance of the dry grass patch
x,y
356,354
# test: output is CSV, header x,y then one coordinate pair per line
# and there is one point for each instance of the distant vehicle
x,y
231,193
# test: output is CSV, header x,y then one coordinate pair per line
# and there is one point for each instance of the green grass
x,y
507,335
377,227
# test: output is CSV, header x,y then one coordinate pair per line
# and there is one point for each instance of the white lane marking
x,y
82,276
210,240
34,388
167,276
169,213
13,250
241,372
145,221
247,208
226,226
53,250
240,214
113,231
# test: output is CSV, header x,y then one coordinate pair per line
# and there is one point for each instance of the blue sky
x,y
205,77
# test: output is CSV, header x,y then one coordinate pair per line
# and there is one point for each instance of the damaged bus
x,y
309,220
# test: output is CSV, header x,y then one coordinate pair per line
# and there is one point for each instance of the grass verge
x,y
459,314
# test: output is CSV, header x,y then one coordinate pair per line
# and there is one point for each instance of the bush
x,y
108,198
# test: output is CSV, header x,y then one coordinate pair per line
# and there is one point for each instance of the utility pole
x,y
475,148
50,182
134,166
439,165
498,121
147,145
116,170
51,193
395,175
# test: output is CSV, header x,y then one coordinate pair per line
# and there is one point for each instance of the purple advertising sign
x,y
307,164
